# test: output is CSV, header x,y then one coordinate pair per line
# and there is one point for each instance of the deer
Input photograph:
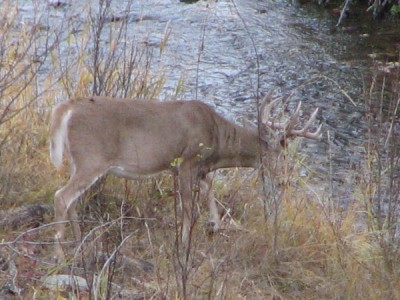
x,y
136,139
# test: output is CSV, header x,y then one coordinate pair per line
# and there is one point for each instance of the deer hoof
x,y
212,227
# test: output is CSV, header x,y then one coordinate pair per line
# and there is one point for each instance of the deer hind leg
x,y
65,202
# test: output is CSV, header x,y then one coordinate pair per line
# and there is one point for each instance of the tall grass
x,y
298,246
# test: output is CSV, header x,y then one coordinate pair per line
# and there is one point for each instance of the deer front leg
x,y
185,191
214,221
207,193
189,185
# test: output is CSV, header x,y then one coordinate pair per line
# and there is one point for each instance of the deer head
x,y
292,127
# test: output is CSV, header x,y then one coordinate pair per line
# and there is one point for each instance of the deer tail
x,y
58,132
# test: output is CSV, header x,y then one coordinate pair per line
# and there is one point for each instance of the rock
x,y
65,282
27,216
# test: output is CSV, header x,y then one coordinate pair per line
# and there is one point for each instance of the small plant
x,y
395,10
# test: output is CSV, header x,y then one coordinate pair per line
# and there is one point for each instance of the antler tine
x,y
310,120
265,111
314,135
266,106
266,100
294,119
304,131
268,96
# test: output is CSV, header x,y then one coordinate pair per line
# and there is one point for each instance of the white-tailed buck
x,y
135,139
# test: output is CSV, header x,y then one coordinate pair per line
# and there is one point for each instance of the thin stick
x,y
342,12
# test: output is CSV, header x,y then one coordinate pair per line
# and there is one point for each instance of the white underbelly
x,y
122,172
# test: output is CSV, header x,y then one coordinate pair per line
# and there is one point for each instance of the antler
x,y
291,127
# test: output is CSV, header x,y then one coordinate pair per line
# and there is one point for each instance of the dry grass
x,y
303,249
318,253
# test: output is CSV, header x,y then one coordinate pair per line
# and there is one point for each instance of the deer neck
x,y
239,147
